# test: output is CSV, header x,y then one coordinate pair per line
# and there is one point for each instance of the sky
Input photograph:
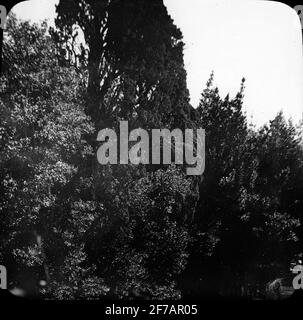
x,y
255,39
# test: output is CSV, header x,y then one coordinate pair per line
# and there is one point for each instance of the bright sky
x,y
256,39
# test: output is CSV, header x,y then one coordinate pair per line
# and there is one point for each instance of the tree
x,y
248,214
279,183
135,73
134,61
42,148
81,226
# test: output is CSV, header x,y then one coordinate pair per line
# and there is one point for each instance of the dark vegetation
x,y
125,231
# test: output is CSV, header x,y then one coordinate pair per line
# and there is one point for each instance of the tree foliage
x,y
134,231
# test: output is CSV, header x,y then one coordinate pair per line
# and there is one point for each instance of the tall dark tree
x,y
135,61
